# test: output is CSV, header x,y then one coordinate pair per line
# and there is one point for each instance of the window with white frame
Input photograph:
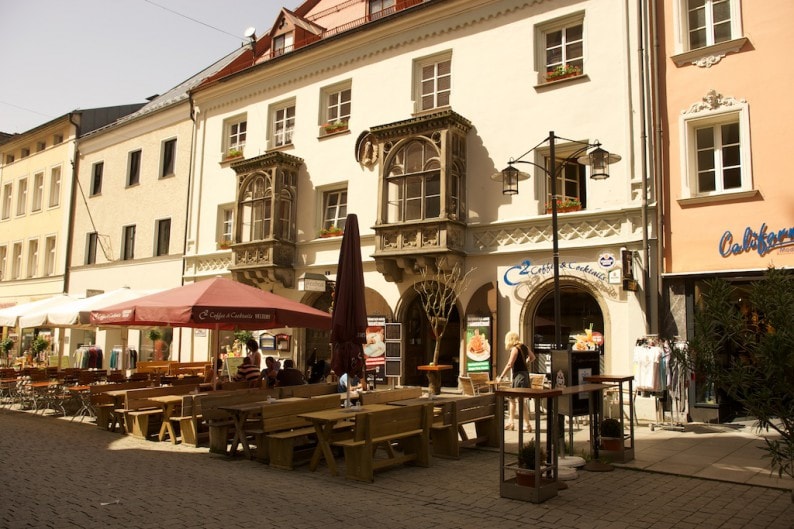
x,y
163,234
433,81
709,22
49,256
22,196
96,178
16,264
716,142
55,186
168,166
91,241
706,31
7,190
3,261
561,43
380,8
38,191
128,243
33,258
134,168
283,44
283,124
337,104
236,132
257,208
226,223
414,183
334,209
570,182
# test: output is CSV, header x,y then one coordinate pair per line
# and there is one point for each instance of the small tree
x,y
438,293
759,343
154,336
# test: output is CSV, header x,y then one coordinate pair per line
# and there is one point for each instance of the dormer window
x,y
282,44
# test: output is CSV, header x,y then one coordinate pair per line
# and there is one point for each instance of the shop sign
x,y
478,347
763,241
529,275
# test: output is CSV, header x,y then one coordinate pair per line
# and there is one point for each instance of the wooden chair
x,y
480,382
467,385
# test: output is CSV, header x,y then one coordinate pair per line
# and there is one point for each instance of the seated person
x,y
272,367
248,372
317,372
289,376
355,383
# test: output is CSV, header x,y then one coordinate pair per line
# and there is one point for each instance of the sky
x,y
60,55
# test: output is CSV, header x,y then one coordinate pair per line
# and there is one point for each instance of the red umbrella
x,y
349,317
217,303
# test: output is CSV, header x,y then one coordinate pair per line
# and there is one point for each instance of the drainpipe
x,y
72,206
658,158
646,279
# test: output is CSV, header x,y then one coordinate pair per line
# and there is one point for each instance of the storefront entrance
x,y
419,346
582,322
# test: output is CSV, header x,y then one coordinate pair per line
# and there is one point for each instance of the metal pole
x,y
555,250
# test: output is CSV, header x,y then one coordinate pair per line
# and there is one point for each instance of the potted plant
x,y
563,71
611,435
565,204
6,344
331,231
39,345
234,152
224,243
335,126
525,474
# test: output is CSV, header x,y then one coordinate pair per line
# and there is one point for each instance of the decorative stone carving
x,y
712,101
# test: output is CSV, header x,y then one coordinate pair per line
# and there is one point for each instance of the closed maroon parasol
x,y
349,317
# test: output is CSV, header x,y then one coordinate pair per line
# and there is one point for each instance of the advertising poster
x,y
478,344
375,348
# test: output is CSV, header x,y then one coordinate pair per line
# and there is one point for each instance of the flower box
x,y
334,127
224,244
564,206
333,231
563,72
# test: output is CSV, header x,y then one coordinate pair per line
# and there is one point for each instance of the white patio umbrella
x,y
77,313
9,316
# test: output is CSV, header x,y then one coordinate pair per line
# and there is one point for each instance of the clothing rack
x,y
661,370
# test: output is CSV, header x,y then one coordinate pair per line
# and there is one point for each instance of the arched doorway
x,y
419,346
579,310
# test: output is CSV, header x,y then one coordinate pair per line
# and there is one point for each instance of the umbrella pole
x,y
217,340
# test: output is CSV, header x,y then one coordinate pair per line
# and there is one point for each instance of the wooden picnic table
x,y
169,403
241,413
324,422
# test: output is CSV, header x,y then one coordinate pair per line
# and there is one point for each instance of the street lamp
x,y
598,159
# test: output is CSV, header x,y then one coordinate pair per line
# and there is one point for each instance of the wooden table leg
x,y
323,447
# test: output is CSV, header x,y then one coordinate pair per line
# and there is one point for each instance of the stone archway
x,y
419,345
580,308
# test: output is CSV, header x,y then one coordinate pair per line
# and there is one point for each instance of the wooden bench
x,y
385,396
410,425
220,422
104,405
284,435
448,434
189,368
307,390
141,415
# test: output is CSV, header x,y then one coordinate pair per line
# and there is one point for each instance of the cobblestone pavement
x,y
62,474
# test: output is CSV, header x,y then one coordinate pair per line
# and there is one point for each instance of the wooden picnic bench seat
x,y
448,435
284,435
142,415
410,425
220,422
307,390
389,395
104,405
